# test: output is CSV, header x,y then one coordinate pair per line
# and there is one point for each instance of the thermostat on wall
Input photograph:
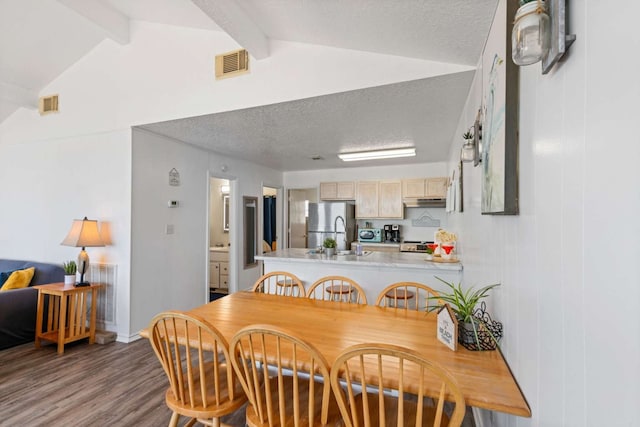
x,y
173,203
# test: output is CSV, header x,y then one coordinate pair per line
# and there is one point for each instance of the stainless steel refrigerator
x,y
331,219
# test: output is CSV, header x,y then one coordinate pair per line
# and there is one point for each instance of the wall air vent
x,y
48,104
232,64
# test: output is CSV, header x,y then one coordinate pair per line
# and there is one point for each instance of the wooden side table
x,y
66,313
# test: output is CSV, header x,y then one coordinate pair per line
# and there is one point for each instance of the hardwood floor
x,y
90,385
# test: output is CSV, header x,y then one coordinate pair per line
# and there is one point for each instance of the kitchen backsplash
x,y
407,229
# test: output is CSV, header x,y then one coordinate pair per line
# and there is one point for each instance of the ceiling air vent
x,y
232,64
48,104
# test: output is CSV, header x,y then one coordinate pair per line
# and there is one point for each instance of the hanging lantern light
x,y
530,35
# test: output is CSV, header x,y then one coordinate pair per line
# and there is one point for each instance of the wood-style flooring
x,y
90,385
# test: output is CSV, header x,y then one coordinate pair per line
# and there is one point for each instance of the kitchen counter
x,y
379,247
373,271
382,244
373,259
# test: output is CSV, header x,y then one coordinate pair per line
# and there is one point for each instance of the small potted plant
x,y
329,246
429,254
467,136
70,268
476,330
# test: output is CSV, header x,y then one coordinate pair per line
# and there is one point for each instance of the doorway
x,y
298,215
220,224
270,222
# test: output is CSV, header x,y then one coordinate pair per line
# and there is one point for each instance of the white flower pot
x,y
69,279
447,250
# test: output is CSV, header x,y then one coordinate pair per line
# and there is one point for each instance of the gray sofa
x,y
18,307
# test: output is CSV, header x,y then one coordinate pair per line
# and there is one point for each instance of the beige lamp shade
x,y
83,233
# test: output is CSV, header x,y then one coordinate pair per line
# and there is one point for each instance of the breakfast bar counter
x,y
373,270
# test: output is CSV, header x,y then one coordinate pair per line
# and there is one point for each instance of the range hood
x,y
424,203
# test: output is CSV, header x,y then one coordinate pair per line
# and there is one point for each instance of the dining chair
x,y
337,288
280,283
358,375
407,295
194,356
297,391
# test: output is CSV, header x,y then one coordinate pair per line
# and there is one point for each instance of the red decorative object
x,y
447,249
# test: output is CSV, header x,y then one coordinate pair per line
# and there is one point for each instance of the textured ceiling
x,y
439,30
40,39
421,113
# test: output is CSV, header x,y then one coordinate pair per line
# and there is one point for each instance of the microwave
x,y
370,235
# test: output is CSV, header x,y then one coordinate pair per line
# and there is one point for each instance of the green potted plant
x,y
429,254
467,136
476,330
70,268
329,246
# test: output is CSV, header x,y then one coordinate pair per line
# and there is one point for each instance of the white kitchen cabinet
x,y
345,190
367,199
413,187
436,188
425,188
379,199
390,200
219,269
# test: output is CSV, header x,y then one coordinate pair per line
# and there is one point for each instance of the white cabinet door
x,y
436,188
367,199
413,187
345,190
390,200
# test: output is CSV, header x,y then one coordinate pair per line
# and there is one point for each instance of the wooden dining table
x,y
484,377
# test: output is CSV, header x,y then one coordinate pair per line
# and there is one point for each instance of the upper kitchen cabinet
x,y
367,199
379,199
425,188
345,190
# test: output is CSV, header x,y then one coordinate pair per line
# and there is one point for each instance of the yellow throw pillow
x,y
19,279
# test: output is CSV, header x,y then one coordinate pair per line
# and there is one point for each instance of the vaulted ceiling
x,y
40,39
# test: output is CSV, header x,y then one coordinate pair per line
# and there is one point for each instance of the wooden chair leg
x,y
174,419
214,422
191,422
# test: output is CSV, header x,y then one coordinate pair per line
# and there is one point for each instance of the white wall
x,y
169,271
568,263
46,184
165,72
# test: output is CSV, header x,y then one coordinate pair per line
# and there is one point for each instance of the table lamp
x,y
84,233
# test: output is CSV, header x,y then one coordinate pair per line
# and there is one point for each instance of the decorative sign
x,y
448,327
174,177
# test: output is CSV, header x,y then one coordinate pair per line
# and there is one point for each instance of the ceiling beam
x,y
112,23
18,95
237,24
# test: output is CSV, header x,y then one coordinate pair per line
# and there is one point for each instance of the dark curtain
x,y
269,224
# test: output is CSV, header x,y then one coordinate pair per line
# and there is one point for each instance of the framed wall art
x,y
500,117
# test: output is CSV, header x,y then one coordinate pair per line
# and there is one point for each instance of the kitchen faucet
x,y
335,229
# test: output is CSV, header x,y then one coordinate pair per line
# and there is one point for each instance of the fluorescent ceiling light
x,y
380,154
